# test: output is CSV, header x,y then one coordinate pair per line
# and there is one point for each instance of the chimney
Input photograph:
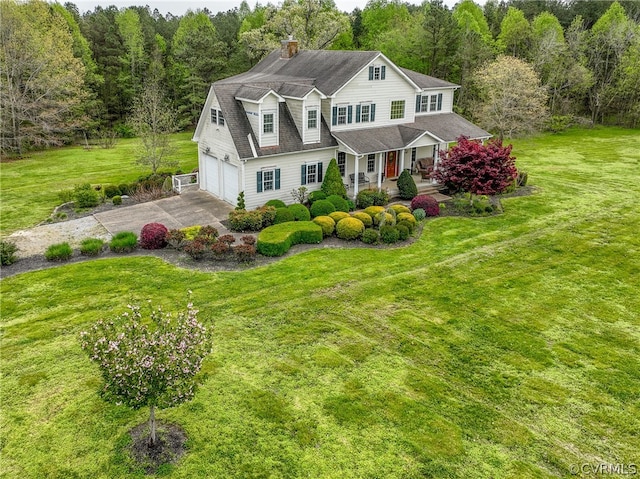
x,y
289,48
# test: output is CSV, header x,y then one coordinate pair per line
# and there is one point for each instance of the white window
x,y
377,72
365,113
342,115
267,123
220,118
216,117
312,119
342,162
397,109
268,180
371,163
436,102
312,173
424,105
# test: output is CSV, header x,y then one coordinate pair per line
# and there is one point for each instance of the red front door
x,y
391,165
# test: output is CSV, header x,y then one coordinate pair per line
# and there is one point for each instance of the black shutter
x,y
303,177
373,112
319,172
418,103
439,101
277,181
371,73
382,72
357,113
334,116
259,182
349,114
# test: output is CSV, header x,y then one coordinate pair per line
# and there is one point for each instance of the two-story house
x,y
276,127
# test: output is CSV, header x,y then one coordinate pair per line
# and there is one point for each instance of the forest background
x,y
69,77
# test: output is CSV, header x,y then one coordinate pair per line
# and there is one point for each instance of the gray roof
x,y
449,127
425,81
248,92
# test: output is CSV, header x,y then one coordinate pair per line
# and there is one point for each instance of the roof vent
x,y
289,48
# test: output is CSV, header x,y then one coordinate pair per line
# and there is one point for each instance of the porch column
x,y
401,161
380,166
355,177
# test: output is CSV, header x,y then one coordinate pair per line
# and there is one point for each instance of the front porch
x,y
425,187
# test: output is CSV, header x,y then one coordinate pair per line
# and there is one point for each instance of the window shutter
x,y
383,69
303,177
373,112
357,113
259,182
349,114
319,172
371,73
277,178
439,101
334,116
418,103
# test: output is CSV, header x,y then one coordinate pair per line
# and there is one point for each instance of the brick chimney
x,y
289,48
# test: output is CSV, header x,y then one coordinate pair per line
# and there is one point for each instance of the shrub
x,y
124,189
153,236
111,190
91,246
332,183
277,239
389,234
58,252
117,200
190,232
403,232
283,215
227,239
245,253
322,208
85,197
406,186
370,236
482,205
522,178
300,194
276,204
364,217
167,185
327,224
220,249
349,228
124,242
352,205
175,238
427,203
410,227
338,215
66,196
300,212
268,215
373,210
384,218
240,204
398,208
317,195
419,214
248,239
339,202
242,220
196,248
408,217
208,234
8,251
147,192
371,197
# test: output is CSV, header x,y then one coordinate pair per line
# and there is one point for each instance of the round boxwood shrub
x,y
406,217
123,242
406,186
372,197
275,203
316,195
300,212
153,236
384,218
117,200
373,210
349,228
419,214
398,208
389,234
427,203
370,236
322,208
338,215
58,252
407,225
85,196
283,215
339,202
326,223
111,190
364,217
403,232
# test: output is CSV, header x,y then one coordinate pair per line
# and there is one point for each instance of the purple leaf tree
x,y
148,362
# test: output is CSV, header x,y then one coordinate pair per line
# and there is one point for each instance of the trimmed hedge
x,y
384,218
407,217
372,197
276,204
370,236
327,224
374,210
283,215
398,208
364,217
339,202
349,228
300,212
277,239
338,215
322,208
317,195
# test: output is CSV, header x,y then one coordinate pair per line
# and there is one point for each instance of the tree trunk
x,y
152,426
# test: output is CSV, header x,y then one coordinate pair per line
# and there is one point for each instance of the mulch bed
x,y
169,447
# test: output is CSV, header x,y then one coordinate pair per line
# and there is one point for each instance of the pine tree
x,y
406,185
332,183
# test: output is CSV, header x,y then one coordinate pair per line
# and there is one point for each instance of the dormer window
x,y
267,123
312,119
377,72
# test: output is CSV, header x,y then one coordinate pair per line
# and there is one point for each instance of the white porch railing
x,y
180,182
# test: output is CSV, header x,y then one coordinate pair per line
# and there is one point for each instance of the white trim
x,y
253,147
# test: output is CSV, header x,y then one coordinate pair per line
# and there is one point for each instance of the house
x,y
275,127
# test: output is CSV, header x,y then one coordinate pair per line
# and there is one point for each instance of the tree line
x,y
67,75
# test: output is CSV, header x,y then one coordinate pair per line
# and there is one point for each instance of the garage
x,y
230,176
212,175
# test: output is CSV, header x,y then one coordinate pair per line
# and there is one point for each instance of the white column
x,y
380,166
355,177
401,161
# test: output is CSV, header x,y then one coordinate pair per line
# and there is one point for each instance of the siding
x,y
447,101
268,105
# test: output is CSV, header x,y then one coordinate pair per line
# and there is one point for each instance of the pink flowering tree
x,y
478,169
148,362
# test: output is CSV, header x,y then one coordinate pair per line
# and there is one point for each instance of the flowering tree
x,y
151,363
476,168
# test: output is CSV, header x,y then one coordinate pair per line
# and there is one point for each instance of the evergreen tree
x,y
406,185
332,183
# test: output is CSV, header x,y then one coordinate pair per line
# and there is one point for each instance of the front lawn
x,y
506,346
30,186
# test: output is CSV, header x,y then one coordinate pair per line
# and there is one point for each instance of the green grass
x,y
504,347
30,186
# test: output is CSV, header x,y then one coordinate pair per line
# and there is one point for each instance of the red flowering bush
x,y
426,203
244,252
153,236
228,239
220,249
248,239
195,248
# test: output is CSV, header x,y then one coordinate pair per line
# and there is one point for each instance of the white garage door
x,y
212,176
230,175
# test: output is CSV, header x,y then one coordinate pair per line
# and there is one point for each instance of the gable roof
x,y
426,82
